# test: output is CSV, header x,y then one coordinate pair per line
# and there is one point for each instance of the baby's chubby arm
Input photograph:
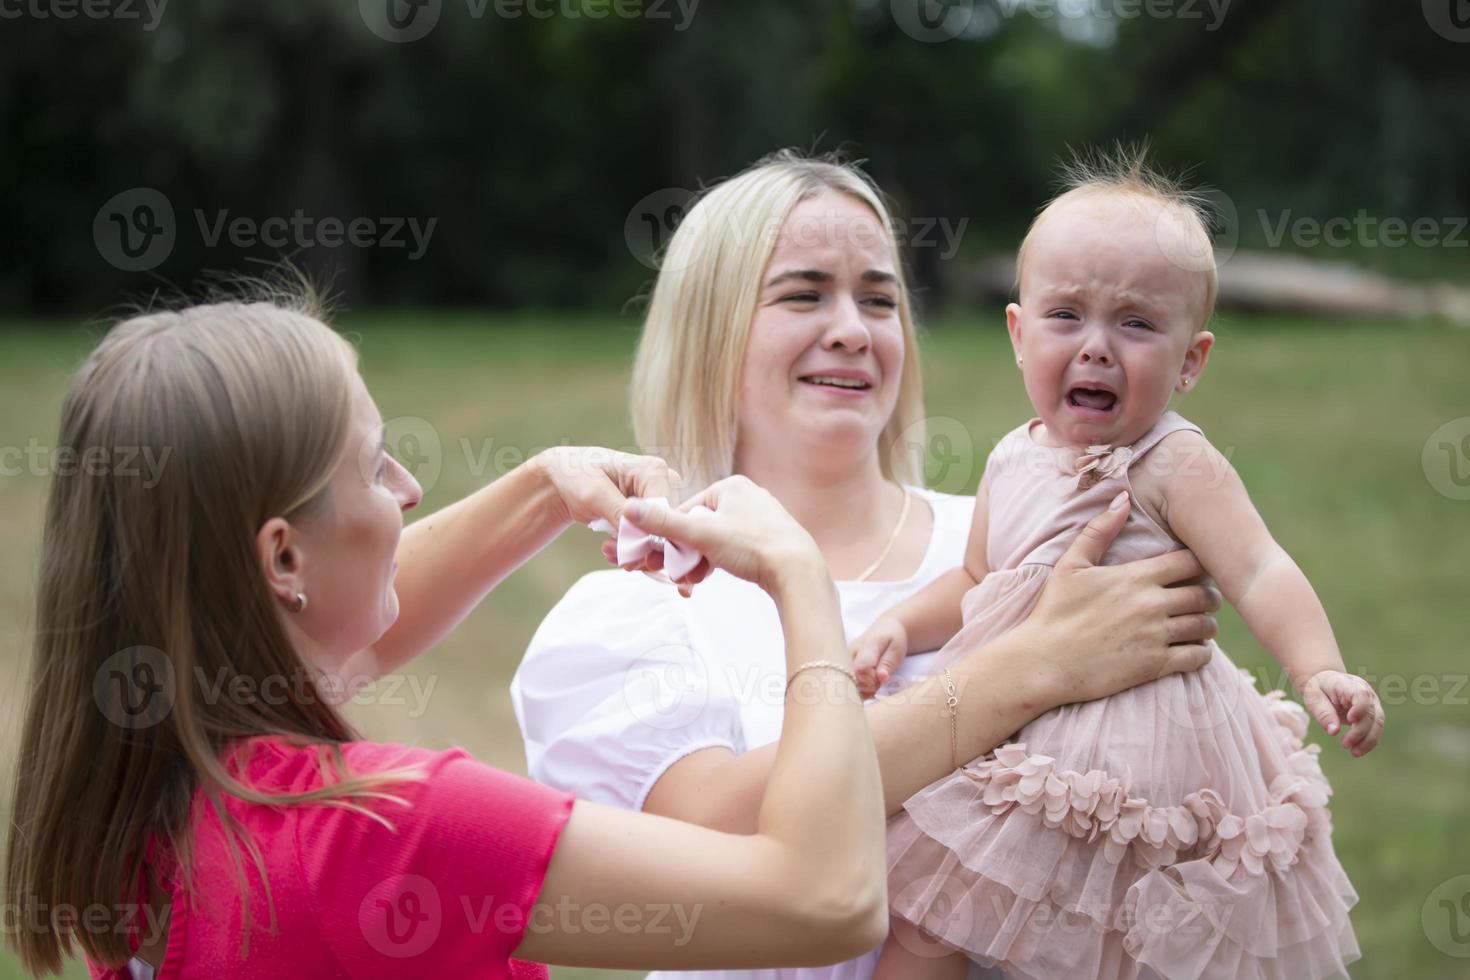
x,y
925,620
1201,497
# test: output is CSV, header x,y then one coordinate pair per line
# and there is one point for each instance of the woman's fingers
x,y
1181,600
1191,628
1176,566
1186,657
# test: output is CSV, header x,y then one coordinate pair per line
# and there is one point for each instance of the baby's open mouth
x,y
1095,399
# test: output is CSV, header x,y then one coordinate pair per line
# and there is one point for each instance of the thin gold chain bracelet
x,y
815,664
952,708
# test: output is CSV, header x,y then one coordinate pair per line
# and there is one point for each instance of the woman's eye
x,y
801,298
883,301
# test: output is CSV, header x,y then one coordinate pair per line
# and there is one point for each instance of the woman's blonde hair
x,y
149,576
686,375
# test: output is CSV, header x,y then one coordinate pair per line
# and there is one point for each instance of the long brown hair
x,y
148,580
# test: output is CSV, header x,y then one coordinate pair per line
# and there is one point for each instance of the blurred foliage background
x,y
531,130
544,149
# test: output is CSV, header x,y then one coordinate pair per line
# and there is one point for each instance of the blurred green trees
x,y
531,130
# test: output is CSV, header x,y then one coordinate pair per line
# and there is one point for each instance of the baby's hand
x,y
877,653
1335,698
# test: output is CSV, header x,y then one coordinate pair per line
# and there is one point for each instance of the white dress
x,y
624,678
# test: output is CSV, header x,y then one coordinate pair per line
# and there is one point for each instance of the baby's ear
x,y
1013,326
1194,360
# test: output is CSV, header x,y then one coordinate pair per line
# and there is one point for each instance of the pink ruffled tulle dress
x,y
1178,829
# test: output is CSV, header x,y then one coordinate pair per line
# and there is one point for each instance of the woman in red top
x,y
190,802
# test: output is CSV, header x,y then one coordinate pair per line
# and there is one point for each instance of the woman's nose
x,y
408,491
847,329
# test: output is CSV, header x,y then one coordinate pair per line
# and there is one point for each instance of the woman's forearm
x,y
918,742
450,559
998,694
825,752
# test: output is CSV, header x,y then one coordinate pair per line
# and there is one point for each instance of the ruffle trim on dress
x,y
1190,891
1096,804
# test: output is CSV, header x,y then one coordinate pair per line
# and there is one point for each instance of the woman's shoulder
x,y
281,764
951,510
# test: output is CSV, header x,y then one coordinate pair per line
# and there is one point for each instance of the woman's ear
x,y
1013,327
1194,360
278,549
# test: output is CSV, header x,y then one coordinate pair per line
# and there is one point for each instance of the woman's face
x,y
825,355
346,550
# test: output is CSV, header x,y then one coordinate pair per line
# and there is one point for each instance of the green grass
x,y
1326,423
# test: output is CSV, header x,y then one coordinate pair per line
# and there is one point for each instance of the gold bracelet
x,y
827,664
952,705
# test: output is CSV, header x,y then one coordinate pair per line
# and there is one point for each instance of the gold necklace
x,y
892,538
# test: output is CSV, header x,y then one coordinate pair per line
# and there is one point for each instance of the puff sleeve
x,y
614,689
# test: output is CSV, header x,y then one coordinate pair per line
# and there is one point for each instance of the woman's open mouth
x,y
837,384
1098,403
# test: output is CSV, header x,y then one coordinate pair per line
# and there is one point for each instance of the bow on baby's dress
x,y
635,544
1100,462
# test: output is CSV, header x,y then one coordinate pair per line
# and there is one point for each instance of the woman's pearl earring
x,y
299,603
1018,359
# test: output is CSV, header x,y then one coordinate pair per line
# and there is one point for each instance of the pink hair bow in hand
x,y
635,544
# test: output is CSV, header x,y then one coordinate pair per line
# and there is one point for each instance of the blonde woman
x,y
779,345
190,803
